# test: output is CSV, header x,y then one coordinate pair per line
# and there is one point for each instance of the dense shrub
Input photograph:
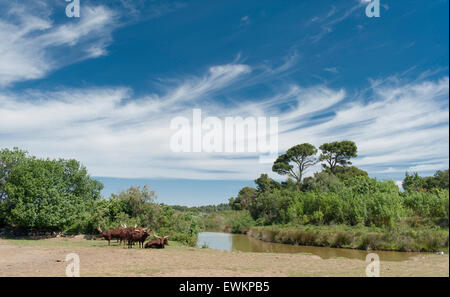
x,y
228,221
242,222
432,204
362,201
322,181
183,238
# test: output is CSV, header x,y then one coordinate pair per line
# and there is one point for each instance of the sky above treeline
x,y
103,88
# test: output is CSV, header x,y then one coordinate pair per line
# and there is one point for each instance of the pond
x,y
244,243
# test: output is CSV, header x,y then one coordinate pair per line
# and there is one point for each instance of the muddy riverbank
x,y
46,257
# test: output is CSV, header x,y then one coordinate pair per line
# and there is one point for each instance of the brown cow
x,y
159,243
123,233
107,234
138,235
112,234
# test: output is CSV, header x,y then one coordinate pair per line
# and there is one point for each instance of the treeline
x,y
328,199
205,209
44,195
340,194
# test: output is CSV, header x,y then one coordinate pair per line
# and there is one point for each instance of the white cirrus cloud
x,y
396,124
32,45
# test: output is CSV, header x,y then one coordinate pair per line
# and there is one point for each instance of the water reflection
x,y
243,243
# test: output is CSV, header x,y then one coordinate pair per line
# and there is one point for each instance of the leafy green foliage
x,y
45,194
346,196
432,204
364,201
244,198
59,195
202,209
414,182
242,222
8,160
348,172
227,221
322,181
337,153
357,201
265,184
439,180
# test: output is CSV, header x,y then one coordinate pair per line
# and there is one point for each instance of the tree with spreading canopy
x,y
337,153
43,193
296,161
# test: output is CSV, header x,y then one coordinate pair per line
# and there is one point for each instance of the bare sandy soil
x,y
47,258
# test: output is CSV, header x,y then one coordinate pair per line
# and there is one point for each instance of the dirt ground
x,y
47,258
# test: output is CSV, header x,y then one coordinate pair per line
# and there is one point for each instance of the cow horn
x,y
135,225
98,229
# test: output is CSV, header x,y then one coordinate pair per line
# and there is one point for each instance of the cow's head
x,y
162,240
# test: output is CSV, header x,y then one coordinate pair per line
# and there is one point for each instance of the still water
x,y
244,243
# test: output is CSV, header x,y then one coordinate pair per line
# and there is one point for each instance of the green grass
x,y
70,242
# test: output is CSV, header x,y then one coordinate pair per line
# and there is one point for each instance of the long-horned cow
x,y
107,234
138,235
159,243
112,234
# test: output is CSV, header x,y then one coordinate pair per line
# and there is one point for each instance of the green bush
x,y
363,200
183,238
242,222
432,204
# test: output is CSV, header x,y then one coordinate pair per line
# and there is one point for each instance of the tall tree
x,y
48,194
296,161
337,153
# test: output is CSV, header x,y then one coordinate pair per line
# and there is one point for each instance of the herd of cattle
x,y
132,235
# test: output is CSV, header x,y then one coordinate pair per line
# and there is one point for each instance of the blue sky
x,y
103,88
